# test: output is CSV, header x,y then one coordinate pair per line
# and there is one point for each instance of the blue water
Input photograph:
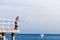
x,y
34,37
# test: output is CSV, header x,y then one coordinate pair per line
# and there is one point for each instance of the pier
x,y
9,26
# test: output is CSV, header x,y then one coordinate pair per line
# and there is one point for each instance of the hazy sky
x,y
36,16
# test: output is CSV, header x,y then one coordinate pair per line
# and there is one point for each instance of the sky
x,y
36,16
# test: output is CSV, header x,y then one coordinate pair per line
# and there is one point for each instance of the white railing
x,y
7,23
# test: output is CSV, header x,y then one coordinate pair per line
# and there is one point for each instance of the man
x,y
16,22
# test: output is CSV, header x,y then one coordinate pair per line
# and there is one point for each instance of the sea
x,y
34,37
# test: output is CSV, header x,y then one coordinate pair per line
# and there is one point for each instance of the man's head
x,y
17,17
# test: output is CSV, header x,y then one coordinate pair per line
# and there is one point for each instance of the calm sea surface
x,y
34,37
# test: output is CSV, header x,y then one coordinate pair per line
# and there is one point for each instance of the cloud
x,y
33,3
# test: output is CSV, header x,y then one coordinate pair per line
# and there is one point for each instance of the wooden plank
x,y
9,30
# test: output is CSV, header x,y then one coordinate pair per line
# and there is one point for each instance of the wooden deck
x,y
8,30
